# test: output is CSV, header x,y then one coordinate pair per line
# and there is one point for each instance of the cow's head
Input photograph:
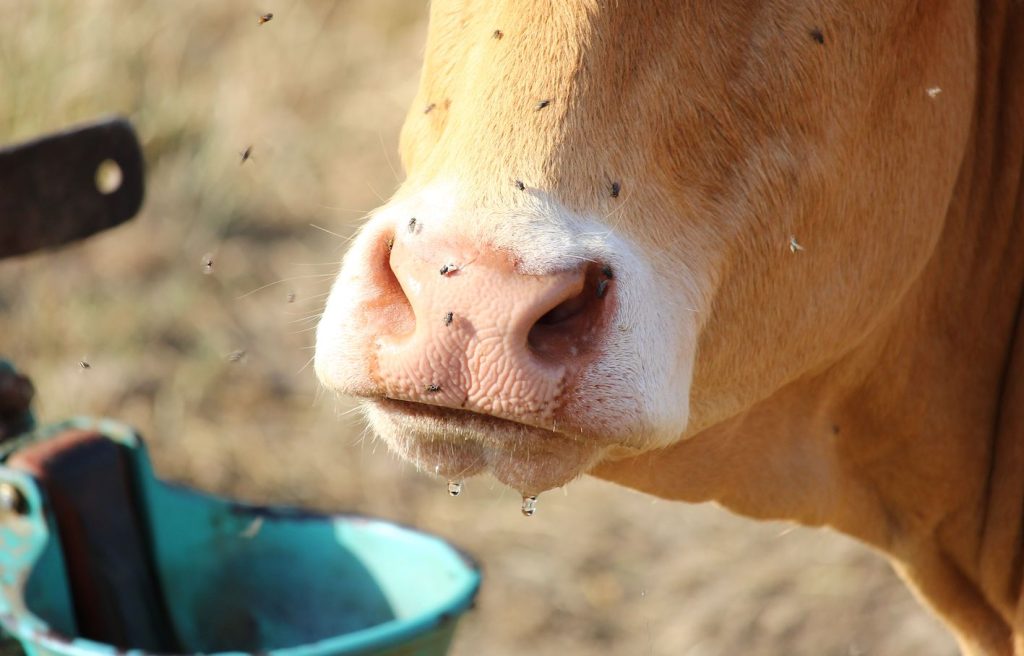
x,y
624,223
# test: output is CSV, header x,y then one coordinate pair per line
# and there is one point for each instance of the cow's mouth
x,y
458,419
456,444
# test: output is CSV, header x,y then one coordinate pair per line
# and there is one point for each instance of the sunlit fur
x,y
866,382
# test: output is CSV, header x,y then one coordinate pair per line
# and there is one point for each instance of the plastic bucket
x,y
231,577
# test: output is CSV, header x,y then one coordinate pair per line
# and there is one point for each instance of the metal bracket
x,y
16,394
69,185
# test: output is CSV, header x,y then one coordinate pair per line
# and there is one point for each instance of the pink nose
x,y
459,327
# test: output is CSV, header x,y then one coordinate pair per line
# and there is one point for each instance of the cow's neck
x,y
937,423
934,459
914,443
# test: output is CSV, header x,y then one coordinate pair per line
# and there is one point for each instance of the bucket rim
x,y
31,629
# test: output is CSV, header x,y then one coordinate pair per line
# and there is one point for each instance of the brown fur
x,y
871,382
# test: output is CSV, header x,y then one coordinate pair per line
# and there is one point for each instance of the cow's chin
x,y
456,444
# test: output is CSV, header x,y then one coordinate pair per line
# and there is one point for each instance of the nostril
x,y
570,328
389,307
564,311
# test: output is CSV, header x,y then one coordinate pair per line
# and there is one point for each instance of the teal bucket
x,y
217,576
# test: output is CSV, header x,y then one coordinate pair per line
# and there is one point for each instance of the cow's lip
x,y
458,417
457,443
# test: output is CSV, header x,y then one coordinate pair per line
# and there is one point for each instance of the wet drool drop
x,y
454,488
529,505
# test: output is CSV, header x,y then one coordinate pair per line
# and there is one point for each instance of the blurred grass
x,y
319,93
316,93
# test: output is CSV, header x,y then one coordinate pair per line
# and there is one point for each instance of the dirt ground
x,y
319,93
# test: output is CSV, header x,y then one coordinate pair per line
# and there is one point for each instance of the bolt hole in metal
x,y
108,177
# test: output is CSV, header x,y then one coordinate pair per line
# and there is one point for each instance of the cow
x,y
765,253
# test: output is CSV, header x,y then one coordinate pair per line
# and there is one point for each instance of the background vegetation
x,y
319,93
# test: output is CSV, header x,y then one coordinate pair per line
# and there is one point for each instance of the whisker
x,y
314,296
387,158
308,362
315,317
330,232
343,209
307,316
301,312
350,411
621,205
370,187
320,388
278,282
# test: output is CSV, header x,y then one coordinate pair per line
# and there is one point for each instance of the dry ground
x,y
319,92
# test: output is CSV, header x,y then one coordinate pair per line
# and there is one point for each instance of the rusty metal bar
x,y
69,185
